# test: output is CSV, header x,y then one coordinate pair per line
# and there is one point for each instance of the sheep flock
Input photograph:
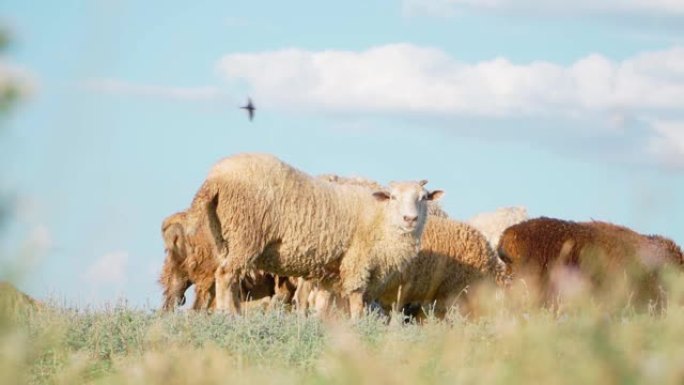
x,y
260,232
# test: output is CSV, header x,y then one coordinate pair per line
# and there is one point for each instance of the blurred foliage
x,y
513,342
9,95
10,90
5,37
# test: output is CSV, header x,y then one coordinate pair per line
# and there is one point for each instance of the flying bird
x,y
250,108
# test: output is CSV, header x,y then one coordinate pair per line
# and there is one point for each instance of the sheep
x,y
309,295
268,215
190,259
434,208
549,252
176,272
492,224
453,258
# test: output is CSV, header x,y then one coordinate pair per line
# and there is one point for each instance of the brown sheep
x,y
175,276
548,252
190,260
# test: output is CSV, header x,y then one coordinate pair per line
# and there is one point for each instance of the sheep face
x,y
174,279
175,282
407,204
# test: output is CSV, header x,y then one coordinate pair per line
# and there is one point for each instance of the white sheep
x,y
434,208
492,224
265,214
454,258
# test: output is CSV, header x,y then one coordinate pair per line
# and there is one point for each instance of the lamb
x,y
492,224
454,257
268,215
548,252
190,259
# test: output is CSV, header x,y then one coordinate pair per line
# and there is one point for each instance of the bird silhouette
x,y
250,108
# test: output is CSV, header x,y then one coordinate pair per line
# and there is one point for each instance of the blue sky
x,y
572,109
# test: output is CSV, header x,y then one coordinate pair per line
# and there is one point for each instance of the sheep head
x,y
174,278
407,204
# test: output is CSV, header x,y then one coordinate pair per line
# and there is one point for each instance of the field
x,y
511,342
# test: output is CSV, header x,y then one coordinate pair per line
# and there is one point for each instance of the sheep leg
x,y
322,303
356,305
201,299
301,296
238,251
228,288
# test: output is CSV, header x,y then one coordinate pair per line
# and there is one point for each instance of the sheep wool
x,y
268,215
454,256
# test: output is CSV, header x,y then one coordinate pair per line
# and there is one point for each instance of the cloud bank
x,y
404,79
669,8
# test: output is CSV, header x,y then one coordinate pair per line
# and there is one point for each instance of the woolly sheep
x,y
309,296
188,255
434,208
190,260
454,257
266,214
549,252
492,224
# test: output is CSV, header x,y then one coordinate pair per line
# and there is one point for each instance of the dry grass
x,y
512,342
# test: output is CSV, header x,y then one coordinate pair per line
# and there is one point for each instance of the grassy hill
x,y
13,300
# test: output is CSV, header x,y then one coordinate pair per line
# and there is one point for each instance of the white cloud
x,y
636,7
119,87
108,269
667,142
408,78
571,101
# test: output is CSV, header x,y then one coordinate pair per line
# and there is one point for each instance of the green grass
x,y
513,343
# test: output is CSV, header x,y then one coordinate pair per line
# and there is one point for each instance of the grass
x,y
511,343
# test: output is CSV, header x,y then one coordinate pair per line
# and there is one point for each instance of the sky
x,y
573,110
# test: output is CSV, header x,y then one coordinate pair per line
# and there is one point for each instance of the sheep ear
x,y
174,236
381,196
423,182
435,195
